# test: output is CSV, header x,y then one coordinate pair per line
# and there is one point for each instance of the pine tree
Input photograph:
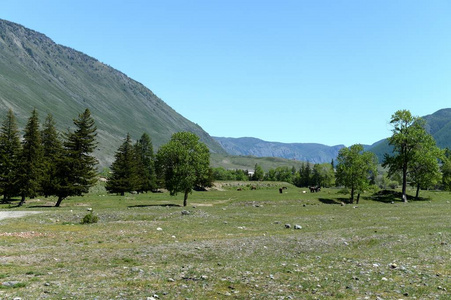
x,y
76,168
31,159
145,164
53,150
124,177
10,149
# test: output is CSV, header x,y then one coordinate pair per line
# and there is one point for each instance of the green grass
x,y
233,244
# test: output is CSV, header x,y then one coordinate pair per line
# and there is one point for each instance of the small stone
x,y
159,229
393,266
171,280
288,226
297,226
185,212
204,277
384,279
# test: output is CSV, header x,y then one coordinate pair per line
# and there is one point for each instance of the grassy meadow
x,y
230,245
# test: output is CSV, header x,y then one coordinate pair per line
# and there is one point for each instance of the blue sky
x,y
330,72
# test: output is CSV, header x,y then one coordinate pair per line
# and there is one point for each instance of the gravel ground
x,y
16,214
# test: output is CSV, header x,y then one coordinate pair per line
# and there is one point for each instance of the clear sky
x,y
313,71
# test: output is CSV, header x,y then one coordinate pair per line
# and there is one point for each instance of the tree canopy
x,y
124,176
76,168
354,169
413,149
183,163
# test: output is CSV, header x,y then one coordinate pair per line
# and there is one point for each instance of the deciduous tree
x,y
424,171
183,163
354,169
409,137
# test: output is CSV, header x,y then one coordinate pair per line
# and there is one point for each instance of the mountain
x,y
314,153
438,125
37,73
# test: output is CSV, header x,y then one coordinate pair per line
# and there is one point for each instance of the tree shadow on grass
x,y
390,196
41,206
154,205
334,201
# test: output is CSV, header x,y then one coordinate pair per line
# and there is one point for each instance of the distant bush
x,y
89,219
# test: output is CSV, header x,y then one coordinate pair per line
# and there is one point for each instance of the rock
x,y
171,280
159,229
288,226
10,283
384,279
297,226
185,213
393,266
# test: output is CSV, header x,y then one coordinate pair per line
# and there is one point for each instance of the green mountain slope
x,y
37,73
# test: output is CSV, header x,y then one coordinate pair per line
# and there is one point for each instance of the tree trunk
x,y
358,198
22,201
122,193
404,183
60,199
418,191
185,198
352,195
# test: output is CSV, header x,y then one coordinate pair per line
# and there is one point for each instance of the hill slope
x,y
314,153
37,73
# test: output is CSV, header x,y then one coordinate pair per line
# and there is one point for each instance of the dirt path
x,y
16,214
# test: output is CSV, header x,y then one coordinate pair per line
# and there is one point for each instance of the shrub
x,y
89,219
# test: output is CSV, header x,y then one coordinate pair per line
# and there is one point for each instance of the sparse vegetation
x,y
233,244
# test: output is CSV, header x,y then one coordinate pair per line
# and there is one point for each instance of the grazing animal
x,y
314,189
280,190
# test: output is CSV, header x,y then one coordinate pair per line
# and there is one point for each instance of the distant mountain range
x,y
438,124
314,153
37,73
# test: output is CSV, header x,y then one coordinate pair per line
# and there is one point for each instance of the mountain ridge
x,y
312,152
438,124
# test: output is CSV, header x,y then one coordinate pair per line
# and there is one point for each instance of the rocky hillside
x,y
37,73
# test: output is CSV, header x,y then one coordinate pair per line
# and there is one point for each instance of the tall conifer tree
x,y
10,149
53,149
124,177
31,159
76,168
145,164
